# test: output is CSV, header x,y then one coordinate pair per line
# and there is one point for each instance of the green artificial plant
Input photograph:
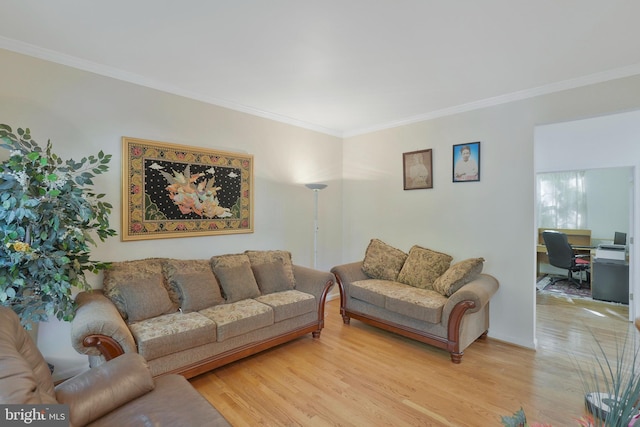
x,y
48,213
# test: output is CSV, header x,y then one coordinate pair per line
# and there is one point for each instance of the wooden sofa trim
x,y
110,349
451,344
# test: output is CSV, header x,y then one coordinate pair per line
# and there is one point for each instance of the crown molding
x,y
601,77
118,74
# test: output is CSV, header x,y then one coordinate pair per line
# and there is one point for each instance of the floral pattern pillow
x,y
382,261
458,275
423,266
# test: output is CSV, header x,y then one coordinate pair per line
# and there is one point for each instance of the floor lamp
x,y
316,188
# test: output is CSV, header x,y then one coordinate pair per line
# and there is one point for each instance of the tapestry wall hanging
x,y
171,190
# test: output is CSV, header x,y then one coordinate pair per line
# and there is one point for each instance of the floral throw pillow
x,y
423,266
382,261
458,275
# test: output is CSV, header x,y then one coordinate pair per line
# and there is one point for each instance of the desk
x,y
579,239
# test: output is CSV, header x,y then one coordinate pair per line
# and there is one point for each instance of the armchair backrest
x,y
24,374
559,250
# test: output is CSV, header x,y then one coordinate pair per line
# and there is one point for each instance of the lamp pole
x,y
316,189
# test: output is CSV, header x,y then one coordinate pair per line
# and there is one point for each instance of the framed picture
x,y
171,190
417,168
466,162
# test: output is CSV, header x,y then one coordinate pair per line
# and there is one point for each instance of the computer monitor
x,y
620,238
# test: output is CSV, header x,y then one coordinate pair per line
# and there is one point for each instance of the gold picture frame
x,y
171,190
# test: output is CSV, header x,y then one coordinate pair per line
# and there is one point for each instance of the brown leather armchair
x,y
120,392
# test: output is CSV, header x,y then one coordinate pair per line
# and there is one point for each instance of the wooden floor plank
x,y
359,375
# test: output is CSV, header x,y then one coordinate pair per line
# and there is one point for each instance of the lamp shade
x,y
316,186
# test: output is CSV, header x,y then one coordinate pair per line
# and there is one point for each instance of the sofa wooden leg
x,y
316,334
484,335
346,319
456,357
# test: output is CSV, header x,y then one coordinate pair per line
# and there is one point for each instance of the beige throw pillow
x,y
423,266
235,276
143,299
271,277
193,283
124,274
458,275
382,261
268,257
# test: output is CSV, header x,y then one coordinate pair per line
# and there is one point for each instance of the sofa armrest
x,y
479,291
347,274
100,390
98,329
314,282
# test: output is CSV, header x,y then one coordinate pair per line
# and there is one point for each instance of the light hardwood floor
x,y
358,375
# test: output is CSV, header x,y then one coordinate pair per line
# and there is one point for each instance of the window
x,y
562,200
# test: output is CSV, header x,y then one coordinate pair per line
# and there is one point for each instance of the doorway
x,y
593,207
590,144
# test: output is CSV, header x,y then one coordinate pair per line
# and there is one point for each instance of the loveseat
x,y
191,316
118,393
419,295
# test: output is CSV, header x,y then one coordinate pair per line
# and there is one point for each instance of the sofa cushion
x,y
423,266
267,257
128,273
141,299
288,304
375,291
382,261
193,283
238,318
271,277
421,304
235,276
172,333
458,275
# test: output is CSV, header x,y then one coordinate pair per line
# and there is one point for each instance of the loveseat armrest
x,y
104,388
348,273
479,291
98,329
314,282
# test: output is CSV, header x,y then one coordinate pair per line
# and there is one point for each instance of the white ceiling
x,y
342,67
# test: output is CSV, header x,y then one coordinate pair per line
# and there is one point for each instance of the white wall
x,y
608,194
493,218
83,113
606,141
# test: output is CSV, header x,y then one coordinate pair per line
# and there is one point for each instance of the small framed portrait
x,y
417,168
466,162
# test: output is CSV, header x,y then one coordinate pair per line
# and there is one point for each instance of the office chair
x,y
561,255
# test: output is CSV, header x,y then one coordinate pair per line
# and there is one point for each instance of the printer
x,y
614,251
617,252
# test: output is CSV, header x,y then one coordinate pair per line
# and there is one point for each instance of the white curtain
x,y
562,200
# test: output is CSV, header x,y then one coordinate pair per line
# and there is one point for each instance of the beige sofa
x,y
191,316
118,393
419,295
